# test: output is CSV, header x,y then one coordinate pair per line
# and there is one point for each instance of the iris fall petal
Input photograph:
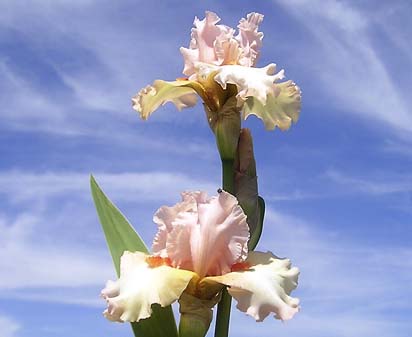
x,y
180,93
140,285
264,287
277,104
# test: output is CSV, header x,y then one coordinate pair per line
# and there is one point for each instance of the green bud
x,y
246,186
195,315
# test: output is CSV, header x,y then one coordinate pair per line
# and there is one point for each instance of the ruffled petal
x,y
140,285
180,93
204,235
167,218
250,40
220,238
227,48
277,104
263,287
255,82
202,42
279,111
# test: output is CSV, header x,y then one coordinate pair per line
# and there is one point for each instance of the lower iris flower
x,y
200,247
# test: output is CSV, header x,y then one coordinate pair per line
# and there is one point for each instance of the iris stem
x,y
192,326
223,308
228,175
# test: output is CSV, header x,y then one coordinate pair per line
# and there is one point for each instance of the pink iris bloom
x,y
218,59
201,244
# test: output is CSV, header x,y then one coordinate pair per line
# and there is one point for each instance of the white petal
x,y
264,287
140,285
277,104
280,110
153,96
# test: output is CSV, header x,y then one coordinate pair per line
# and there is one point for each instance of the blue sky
x,y
338,185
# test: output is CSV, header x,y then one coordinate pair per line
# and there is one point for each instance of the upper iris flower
x,y
220,65
201,245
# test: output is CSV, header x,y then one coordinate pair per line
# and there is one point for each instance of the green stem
x,y
223,315
191,326
228,175
223,308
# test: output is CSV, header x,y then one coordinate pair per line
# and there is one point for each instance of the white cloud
x,y
342,56
384,184
8,326
106,67
29,264
144,186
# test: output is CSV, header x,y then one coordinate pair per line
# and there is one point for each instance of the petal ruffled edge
x,y
180,93
140,285
206,235
264,287
280,110
277,104
250,39
220,238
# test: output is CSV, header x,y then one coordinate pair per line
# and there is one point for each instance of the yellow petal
x,y
180,93
140,285
264,287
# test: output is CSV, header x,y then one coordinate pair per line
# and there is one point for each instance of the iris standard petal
x,y
220,238
205,235
250,40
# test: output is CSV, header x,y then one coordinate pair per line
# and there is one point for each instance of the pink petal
x,y
166,219
204,235
220,238
250,39
202,44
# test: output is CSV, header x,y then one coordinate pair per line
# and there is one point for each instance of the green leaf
x,y
121,236
253,241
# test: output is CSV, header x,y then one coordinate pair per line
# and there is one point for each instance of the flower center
x,y
240,266
158,261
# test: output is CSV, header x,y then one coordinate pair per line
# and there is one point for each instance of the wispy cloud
x,y
398,147
343,57
8,326
372,185
84,84
144,186
29,263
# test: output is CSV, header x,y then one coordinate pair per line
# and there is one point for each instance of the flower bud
x,y
196,315
246,186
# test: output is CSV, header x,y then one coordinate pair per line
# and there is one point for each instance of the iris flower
x,y
201,246
220,64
